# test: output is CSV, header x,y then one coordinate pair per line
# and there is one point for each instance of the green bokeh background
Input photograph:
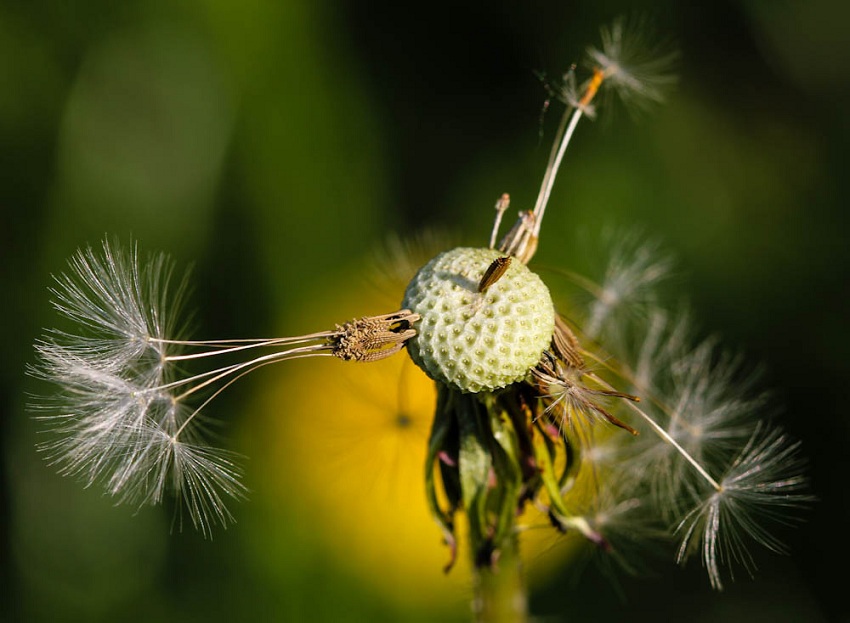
x,y
273,144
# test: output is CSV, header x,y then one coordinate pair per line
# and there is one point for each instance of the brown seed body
x,y
494,272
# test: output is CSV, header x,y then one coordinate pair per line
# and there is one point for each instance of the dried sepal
x,y
373,338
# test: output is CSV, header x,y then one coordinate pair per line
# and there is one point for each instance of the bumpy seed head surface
x,y
478,341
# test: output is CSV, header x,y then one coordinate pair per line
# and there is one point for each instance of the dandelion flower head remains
x,y
531,413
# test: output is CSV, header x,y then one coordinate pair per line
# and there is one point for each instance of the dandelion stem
x,y
500,595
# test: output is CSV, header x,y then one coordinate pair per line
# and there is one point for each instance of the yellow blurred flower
x,y
346,445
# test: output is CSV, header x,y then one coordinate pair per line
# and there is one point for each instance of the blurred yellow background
x,y
276,146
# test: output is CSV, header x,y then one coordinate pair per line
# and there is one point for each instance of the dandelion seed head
x,y
516,403
473,339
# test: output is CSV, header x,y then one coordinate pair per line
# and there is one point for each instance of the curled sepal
x,y
544,457
506,496
444,421
559,514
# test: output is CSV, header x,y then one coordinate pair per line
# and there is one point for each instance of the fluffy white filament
x,y
125,414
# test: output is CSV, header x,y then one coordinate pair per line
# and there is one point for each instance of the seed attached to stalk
x,y
494,272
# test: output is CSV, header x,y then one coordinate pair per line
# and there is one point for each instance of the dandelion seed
x,y
628,526
662,343
706,401
758,490
570,400
636,73
702,405
123,415
629,288
633,61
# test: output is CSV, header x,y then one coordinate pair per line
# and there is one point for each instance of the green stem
x,y
500,595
